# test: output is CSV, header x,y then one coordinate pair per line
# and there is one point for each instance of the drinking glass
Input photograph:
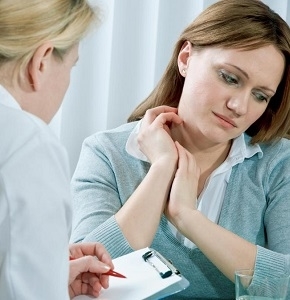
x,y
250,285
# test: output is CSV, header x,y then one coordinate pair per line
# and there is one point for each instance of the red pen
x,y
110,272
114,273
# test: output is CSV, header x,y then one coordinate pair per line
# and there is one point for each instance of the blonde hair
x,y
26,24
245,24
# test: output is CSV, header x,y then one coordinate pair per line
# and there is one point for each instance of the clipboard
x,y
149,275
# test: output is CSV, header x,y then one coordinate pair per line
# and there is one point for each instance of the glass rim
x,y
253,272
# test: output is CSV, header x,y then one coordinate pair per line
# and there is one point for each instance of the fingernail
x,y
106,267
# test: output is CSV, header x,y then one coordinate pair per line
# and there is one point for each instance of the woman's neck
x,y
209,156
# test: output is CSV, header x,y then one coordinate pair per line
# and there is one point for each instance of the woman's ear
x,y
183,57
38,65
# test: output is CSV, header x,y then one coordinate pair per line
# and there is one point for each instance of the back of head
x,y
26,24
247,25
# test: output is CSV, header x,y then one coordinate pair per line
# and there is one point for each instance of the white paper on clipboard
x,y
143,280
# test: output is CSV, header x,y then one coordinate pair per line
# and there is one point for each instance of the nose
x,y
238,103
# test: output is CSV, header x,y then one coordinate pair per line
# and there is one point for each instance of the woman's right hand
x,y
154,137
149,199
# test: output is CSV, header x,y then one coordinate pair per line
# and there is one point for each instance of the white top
x,y
211,199
35,207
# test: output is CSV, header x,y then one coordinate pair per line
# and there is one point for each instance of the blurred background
x,y
121,62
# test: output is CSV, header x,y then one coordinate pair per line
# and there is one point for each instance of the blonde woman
x,y
204,176
38,48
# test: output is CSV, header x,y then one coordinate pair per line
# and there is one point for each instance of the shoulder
x,y
273,151
22,133
273,162
118,135
276,152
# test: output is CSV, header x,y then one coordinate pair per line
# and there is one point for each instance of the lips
x,y
226,119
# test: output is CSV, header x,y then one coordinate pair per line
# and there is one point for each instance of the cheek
x,y
196,90
65,80
61,88
255,112
210,95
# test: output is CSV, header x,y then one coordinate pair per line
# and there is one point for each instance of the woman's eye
x,y
261,97
228,78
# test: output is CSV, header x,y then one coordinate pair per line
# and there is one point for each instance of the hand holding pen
x,y
88,267
110,272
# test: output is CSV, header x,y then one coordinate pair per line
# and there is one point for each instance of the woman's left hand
x,y
88,262
183,192
226,250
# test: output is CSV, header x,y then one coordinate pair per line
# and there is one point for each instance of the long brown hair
x,y
248,25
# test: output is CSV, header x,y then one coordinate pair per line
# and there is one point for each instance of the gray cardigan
x,y
256,207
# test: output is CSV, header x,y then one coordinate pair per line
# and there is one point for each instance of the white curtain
x,y
121,62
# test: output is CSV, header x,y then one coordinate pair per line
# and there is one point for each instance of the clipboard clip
x,y
164,267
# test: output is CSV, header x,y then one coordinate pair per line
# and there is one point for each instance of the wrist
x,y
187,220
165,163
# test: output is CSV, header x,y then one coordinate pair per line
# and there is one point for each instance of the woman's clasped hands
x,y
156,142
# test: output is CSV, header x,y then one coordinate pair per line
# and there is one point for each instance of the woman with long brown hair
x,y
201,171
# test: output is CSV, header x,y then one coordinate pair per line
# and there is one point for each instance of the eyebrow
x,y
247,76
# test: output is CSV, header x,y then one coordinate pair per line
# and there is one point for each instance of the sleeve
x,y
276,256
35,187
96,198
270,262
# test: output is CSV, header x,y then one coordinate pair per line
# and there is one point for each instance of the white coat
x,y
35,207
